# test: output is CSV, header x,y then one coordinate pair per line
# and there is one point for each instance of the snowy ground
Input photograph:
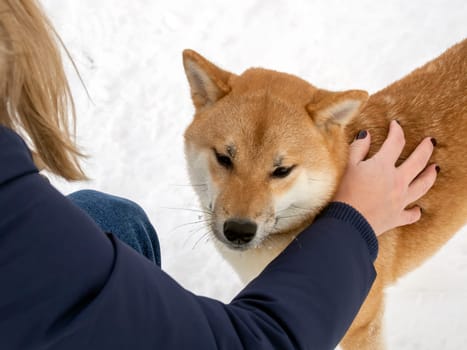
x,y
129,55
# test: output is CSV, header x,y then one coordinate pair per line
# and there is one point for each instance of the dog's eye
x,y
282,172
223,160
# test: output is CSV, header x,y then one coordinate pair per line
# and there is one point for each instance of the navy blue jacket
x,y
64,284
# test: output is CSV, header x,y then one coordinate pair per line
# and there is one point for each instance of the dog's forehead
x,y
288,86
263,109
256,124
266,118
257,127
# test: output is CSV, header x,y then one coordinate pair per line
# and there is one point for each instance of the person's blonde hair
x,y
35,98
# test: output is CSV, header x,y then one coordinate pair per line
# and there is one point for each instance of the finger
x,y
393,145
410,216
360,147
420,186
417,161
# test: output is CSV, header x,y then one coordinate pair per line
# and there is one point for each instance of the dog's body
x,y
267,150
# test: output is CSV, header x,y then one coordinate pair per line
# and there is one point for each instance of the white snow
x,y
129,55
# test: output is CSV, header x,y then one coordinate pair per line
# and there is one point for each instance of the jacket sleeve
x,y
67,285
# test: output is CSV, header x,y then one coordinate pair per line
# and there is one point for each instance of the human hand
x,y
378,189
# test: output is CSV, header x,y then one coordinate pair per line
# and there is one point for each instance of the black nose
x,y
239,231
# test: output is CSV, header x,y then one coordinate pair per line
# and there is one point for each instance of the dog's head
x,y
265,150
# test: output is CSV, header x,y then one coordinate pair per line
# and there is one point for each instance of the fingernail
x,y
438,169
361,134
433,141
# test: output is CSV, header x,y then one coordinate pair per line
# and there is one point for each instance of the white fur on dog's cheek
x,y
305,191
198,171
310,191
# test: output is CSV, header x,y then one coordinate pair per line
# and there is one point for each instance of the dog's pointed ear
x,y
336,107
208,83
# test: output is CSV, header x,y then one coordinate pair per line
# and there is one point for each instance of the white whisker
x,y
189,223
189,209
204,235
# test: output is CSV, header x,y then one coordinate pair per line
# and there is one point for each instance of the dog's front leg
x,y
366,331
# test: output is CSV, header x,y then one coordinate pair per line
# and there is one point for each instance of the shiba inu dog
x,y
266,151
